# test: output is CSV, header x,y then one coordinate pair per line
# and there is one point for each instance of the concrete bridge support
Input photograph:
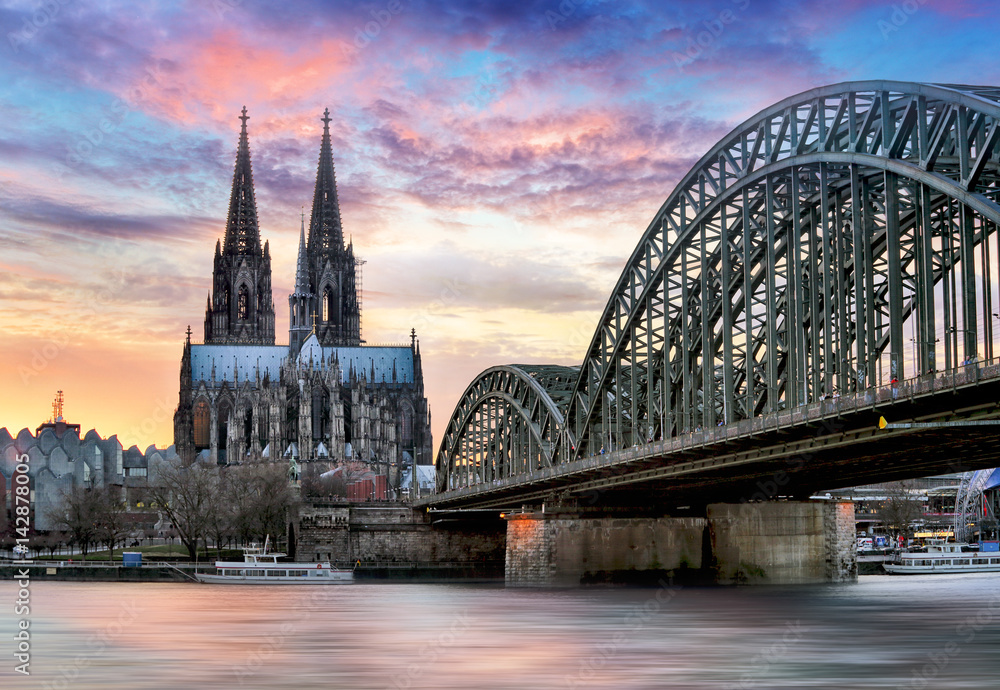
x,y
783,542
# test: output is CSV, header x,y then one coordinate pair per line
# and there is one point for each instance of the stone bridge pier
x,y
779,542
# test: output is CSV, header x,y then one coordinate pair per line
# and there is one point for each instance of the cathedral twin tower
x,y
240,309
324,397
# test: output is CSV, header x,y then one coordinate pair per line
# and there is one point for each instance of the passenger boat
x,y
943,558
262,568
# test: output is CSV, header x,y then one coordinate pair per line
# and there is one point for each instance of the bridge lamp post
x,y
990,343
930,354
967,331
854,373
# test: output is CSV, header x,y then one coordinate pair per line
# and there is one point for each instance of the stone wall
x,y
545,550
394,533
776,543
783,542
841,544
530,558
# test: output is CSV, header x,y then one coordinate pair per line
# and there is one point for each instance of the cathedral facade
x,y
326,396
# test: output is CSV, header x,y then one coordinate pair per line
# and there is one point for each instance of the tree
x,y
219,519
260,497
111,521
77,515
314,484
186,495
92,516
900,507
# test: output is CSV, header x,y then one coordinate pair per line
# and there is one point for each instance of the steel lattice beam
x,y
837,240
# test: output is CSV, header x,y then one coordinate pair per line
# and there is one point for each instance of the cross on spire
x,y
326,119
244,117
315,316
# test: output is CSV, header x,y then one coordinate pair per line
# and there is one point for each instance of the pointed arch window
x,y
406,425
243,303
202,423
328,305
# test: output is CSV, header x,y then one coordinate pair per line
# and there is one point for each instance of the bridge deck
x,y
797,451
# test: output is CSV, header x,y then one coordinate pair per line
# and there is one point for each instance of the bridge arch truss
x,y
841,239
508,422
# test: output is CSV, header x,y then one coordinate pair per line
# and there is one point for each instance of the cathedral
x,y
326,396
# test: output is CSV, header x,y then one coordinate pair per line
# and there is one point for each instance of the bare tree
x,y
77,514
219,519
900,508
186,496
261,497
313,483
110,518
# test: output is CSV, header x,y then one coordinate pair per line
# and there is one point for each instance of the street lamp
x,y
968,359
930,355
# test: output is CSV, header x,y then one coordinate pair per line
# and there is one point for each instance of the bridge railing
x,y
875,397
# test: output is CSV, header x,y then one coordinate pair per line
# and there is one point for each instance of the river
x,y
883,632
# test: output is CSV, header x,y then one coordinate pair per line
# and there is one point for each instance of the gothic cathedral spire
x,y
332,270
326,235
302,302
241,309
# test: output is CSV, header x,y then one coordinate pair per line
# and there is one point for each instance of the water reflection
x,y
914,632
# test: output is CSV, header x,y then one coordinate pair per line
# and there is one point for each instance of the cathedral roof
x,y
311,352
228,361
237,363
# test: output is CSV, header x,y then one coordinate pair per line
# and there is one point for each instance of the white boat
x,y
262,568
943,558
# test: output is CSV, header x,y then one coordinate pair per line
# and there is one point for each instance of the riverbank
x,y
183,572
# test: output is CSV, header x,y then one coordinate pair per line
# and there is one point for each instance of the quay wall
x,y
780,542
397,541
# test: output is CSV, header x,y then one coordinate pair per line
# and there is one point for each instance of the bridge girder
x,y
507,421
788,266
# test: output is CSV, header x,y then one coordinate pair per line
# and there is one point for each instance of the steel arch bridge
x,y
841,239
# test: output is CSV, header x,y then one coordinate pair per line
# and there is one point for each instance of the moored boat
x,y
943,558
262,568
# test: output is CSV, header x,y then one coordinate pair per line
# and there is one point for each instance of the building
x,y
326,395
60,459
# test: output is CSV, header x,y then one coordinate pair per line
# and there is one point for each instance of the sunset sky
x,y
497,163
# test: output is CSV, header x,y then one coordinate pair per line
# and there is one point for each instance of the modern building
x,y
60,459
324,396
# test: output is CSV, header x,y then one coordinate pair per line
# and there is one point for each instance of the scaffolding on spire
x,y
57,408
